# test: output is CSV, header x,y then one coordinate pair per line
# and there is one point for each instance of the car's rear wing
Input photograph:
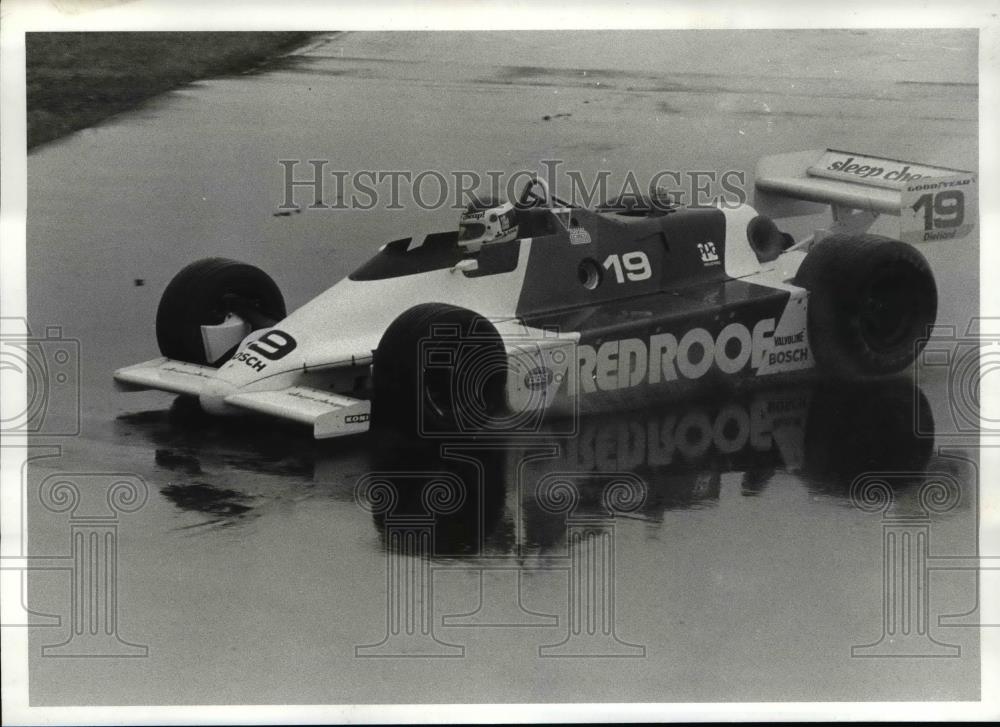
x,y
931,202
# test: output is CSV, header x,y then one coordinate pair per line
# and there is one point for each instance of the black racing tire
x,y
195,297
439,370
871,302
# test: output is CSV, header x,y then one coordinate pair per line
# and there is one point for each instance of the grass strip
x,y
75,80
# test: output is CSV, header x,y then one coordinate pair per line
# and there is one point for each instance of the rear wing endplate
x,y
932,203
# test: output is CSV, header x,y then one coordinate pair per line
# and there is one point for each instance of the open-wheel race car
x,y
540,306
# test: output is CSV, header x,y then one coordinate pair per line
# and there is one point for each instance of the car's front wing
x,y
329,414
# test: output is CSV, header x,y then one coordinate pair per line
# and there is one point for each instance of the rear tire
x,y
871,301
439,369
194,298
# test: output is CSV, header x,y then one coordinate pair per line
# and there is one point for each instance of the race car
x,y
540,307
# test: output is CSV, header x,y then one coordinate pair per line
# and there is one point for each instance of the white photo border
x,y
20,16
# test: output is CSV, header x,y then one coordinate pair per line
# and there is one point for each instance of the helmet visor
x,y
471,231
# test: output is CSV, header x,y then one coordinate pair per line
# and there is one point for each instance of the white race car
x,y
542,306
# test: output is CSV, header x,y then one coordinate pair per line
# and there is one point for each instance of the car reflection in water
x,y
519,497
668,456
232,470
506,513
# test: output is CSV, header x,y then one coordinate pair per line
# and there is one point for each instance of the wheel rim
x,y
438,391
887,311
465,383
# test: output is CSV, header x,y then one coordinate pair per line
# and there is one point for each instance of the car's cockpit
x,y
490,233
533,216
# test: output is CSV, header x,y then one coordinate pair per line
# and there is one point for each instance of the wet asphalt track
x,y
745,572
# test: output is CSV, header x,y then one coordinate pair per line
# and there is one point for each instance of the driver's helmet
x,y
485,221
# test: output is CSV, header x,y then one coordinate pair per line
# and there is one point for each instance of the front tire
x,y
199,295
439,369
871,302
